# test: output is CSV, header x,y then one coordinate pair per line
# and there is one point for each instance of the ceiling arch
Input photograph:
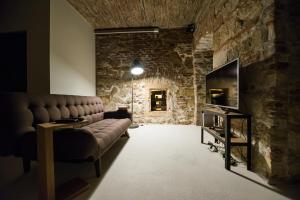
x,y
104,14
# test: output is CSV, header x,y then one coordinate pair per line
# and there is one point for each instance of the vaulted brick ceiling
x,y
137,13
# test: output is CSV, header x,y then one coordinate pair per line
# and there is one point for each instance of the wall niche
x,y
158,100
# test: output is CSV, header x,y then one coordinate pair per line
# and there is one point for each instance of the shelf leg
x,y
227,143
203,124
249,148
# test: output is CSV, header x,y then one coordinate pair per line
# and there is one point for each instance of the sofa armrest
x,y
119,114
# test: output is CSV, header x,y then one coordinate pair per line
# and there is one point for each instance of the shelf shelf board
x,y
222,113
235,140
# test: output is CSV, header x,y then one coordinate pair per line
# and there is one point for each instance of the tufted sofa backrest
x,y
21,112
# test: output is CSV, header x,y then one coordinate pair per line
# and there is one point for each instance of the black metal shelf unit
x,y
228,139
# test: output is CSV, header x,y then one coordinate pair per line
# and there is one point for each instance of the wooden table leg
x,y
45,163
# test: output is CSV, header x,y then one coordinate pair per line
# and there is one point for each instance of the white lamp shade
x,y
137,70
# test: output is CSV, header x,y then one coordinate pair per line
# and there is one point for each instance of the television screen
x,y
222,86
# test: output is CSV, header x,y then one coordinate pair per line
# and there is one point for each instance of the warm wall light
x,y
137,67
137,71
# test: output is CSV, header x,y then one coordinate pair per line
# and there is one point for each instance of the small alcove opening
x,y
158,100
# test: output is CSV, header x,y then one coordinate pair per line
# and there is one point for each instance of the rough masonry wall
x,y
286,138
238,26
167,57
202,65
202,62
244,29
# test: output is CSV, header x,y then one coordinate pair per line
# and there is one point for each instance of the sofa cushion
x,y
75,144
107,131
47,108
88,142
69,144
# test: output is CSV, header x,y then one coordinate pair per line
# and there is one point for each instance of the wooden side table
x,y
46,158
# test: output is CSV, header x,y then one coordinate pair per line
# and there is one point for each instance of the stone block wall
x,y
286,138
244,29
265,36
168,60
202,62
238,26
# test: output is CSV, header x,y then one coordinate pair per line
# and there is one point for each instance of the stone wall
x,y
286,138
168,60
238,26
202,62
244,29
265,36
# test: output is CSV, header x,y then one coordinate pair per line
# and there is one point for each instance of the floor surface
x,y
158,162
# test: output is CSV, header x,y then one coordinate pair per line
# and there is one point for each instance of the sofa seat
x,y
107,131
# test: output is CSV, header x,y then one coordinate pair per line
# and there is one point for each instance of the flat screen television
x,y
222,86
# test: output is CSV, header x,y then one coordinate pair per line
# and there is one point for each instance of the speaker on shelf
x,y
190,28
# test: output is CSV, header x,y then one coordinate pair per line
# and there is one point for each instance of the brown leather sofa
x,y
21,112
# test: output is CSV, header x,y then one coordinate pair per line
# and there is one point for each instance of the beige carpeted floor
x,y
158,162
